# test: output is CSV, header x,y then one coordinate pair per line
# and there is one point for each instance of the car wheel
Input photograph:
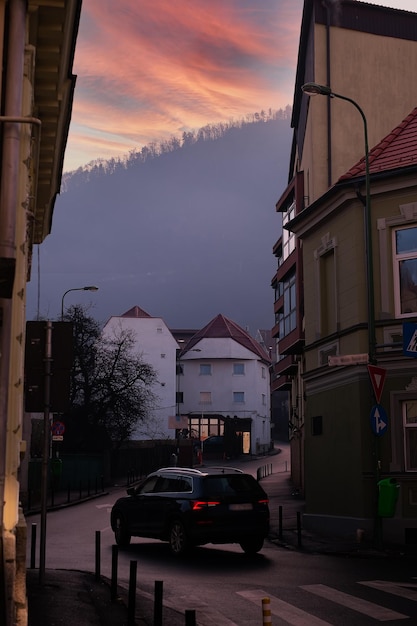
x,y
252,545
178,540
121,532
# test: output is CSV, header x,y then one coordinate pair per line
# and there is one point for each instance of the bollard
x,y
131,602
299,528
190,618
113,586
33,547
157,609
280,521
98,554
266,612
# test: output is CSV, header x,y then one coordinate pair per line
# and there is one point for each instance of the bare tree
x,y
110,384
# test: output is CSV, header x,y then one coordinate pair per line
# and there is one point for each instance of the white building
x,y
158,348
224,386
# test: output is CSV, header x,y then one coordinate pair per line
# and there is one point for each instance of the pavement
x,y
68,597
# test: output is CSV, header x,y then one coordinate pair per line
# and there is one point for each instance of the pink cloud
x,y
148,69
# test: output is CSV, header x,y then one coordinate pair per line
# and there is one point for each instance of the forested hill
x,y
183,229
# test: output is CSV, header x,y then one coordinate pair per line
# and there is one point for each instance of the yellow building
x,y
367,56
37,50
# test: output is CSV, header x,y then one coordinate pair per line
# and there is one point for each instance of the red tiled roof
x,y
220,327
397,149
136,311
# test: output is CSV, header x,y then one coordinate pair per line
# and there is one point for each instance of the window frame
x,y
399,258
206,366
237,366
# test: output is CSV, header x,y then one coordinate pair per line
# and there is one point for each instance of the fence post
x,y
98,554
190,618
157,611
266,612
299,528
131,604
33,547
113,587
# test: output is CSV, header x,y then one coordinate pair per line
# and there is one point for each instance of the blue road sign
x,y
379,420
410,339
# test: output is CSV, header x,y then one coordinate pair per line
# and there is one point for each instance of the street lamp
x,y
313,89
88,288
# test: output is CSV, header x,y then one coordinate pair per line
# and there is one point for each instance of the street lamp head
x,y
314,89
90,288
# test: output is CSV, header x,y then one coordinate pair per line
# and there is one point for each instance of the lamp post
x,y
88,288
312,89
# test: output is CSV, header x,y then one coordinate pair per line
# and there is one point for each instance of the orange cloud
x,y
150,69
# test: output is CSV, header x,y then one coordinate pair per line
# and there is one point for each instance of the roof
x,y
136,311
222,327
397,150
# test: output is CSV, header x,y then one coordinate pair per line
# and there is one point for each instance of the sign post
x,y
377,376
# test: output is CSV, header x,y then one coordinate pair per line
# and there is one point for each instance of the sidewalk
x,y
71,597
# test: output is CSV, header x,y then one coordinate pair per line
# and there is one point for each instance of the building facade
x,y
158,348
38,42
366,55
225,387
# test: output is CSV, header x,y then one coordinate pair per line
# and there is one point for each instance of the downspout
x,y
8,206
328,78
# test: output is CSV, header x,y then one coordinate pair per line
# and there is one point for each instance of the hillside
x,y
184,230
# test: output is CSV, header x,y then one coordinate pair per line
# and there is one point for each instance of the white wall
x,y
153,340
222,353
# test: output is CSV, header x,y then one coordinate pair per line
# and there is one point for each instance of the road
x,y
226,587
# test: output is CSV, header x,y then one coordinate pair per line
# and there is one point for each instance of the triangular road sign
x,y
377,376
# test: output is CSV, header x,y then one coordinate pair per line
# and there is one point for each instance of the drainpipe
x,y
328,78
8,207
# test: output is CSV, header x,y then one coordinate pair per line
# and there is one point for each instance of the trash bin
x,y
388,492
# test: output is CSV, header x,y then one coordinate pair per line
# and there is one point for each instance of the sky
x,y
152,69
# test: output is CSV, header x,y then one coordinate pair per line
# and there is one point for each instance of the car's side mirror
x,y
131,491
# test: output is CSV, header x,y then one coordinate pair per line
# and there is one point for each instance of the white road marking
x,y
397,589
205,615
289,613
375,611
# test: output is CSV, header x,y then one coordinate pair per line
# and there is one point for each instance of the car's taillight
x,y
264,501
198,505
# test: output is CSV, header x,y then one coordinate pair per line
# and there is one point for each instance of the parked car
x,y
190,507
213,444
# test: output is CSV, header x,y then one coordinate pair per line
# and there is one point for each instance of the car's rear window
x,y
233,485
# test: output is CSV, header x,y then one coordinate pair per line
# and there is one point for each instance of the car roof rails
x,y
191,470
224,470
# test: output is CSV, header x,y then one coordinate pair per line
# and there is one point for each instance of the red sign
x,y
377,376
57,428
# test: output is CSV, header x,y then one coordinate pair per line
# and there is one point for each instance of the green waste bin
x,y
388,492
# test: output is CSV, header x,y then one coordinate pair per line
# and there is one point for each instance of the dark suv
x,y
190,507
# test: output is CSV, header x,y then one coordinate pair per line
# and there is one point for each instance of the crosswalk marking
x,y
289,613
403,590
375,611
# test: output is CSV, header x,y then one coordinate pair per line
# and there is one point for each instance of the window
x,y
205,369
405,271
288,238
238,396
409,409
263,399
205,397
238,369
288,315
263,373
